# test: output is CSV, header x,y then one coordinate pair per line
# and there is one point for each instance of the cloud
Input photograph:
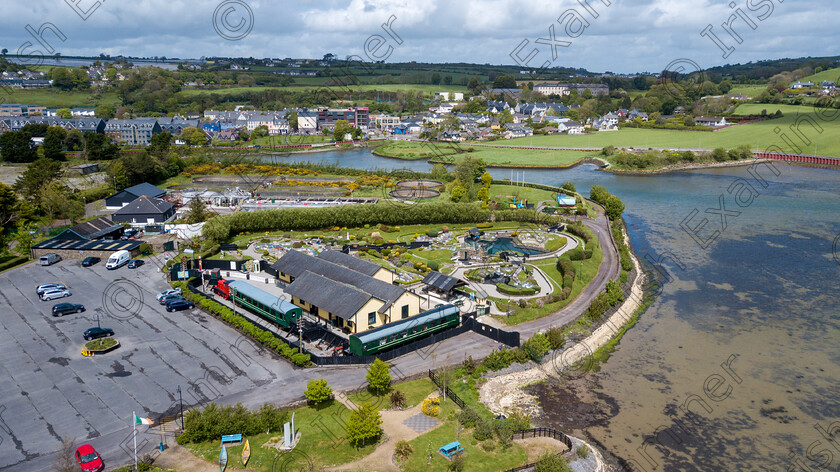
x,y
626,36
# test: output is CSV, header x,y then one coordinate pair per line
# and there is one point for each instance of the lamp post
x,y
181,402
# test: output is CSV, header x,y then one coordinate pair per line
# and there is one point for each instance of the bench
x,y
231,438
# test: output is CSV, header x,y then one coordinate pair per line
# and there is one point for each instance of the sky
x,y
621,36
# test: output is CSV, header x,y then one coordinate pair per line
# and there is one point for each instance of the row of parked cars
x,y
174,300
117,260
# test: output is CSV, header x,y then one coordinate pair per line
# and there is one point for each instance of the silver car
x,y
166,293
50,286
53,294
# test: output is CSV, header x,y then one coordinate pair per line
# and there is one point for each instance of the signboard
x,y
189,251
183,274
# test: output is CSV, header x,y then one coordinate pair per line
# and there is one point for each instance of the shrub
x,y
432,233
397,399
483,430
568,280
317,391
582,451
403,449
457,463
555,337
431,406
549,462
365,424
498,360
214,421
536,346
469,365
434,265
505,288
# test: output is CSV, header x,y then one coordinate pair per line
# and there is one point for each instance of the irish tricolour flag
x,y
138,420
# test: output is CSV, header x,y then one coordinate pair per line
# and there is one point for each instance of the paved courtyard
x,y
421,422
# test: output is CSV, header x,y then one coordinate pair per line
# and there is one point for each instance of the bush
x,y
483,430
397,399
317,391
555,337
431,406
434,265
549,462
457,463
403,449
536,346
582,451
214,421
15,261
432,233
505,288
498,360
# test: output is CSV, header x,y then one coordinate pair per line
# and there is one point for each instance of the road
x,y
51,392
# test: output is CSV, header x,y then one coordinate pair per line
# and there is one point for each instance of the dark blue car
x,y
178,305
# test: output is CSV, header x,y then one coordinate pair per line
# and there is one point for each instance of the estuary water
x,y
736,365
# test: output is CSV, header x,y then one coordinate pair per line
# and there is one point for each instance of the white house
x,y
714,121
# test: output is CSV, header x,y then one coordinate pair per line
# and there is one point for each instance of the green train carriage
x,y
405,331
262,303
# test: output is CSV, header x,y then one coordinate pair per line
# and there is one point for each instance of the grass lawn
x,y
292,140
476,458
323,441
491,156
415,391
830,74
756,135
750,90
425,88
57,98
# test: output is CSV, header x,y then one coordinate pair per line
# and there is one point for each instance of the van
x,y
117,260
49,259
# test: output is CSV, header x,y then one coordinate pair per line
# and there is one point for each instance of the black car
x,y
129,233
171,298
178,305
135,263
62,309
89,261
94,333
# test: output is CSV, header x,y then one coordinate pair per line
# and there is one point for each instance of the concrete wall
x,y
68,254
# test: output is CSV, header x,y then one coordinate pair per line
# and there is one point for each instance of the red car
x,y
89,459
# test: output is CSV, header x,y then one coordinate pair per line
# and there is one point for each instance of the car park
x,y
97,332
49,259
171,291
39,290
170,298
89,261
135,263
62,309
88,459
55,293
178,305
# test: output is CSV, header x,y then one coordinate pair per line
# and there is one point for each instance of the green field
x,y
756,135
492,156
425,88
750,90
55,98
830,74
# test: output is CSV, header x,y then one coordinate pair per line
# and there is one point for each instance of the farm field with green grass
x,y
830,74
54,98
759,135
750,90
492,156
425,88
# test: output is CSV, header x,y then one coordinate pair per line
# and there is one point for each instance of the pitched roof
x,y
260,296
342,300
145,189
145,206
95,228
296,263
354,263
441,282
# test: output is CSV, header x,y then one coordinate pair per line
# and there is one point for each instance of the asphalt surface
x,y
50,391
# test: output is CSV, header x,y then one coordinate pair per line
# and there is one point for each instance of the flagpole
x,y
134,422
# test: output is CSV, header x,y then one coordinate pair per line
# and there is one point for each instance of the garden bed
x,y
102,345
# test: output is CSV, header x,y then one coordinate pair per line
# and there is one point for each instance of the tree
x,y
106,112
196,137
64,113
569,186
74,141
364,424
292,118
160,144
54,143
8,205
65,460
197,212
689,121
469,169
447,80
342,127
118,175
435,78
549,462
440,172
37,176
614,207
379,376
24,238
504,81
474,85
458,192
260,132
719,154
486,179
505,117
483,194
15,146
317,392
98,147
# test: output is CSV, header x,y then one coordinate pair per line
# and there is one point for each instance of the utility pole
x,y
181,402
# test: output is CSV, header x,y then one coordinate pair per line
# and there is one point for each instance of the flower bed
x,y
102,345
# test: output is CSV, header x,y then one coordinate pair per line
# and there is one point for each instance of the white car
x,y
166,293
50,286
53,294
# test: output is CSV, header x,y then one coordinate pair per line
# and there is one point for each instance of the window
x,y
372,318
405,311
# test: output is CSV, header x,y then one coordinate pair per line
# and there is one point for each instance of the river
x,y
735,366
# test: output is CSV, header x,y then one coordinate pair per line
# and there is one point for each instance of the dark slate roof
x,y
354,263
146,189
441,282
337,298
145,206
296,263
95,228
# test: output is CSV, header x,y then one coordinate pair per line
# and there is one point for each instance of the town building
x,y
126,196
137,132
16,109
145,210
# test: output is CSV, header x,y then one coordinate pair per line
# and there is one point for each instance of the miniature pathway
x,y
395,429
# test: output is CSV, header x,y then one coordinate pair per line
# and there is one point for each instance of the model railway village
x,y
325,264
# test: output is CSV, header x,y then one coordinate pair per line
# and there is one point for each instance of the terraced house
x,y
133,132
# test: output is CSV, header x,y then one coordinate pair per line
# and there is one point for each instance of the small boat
x,y
246,452
223,458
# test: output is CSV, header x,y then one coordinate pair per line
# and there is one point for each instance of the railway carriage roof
x,y
399,326
260,296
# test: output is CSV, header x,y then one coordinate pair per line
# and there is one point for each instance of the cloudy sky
x,y
626,36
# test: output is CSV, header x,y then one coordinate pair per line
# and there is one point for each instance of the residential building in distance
x,y
126,196
561,89
16,109
94,125
386,122
174,125
357,117
137,132
145,210
454,96
713,121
